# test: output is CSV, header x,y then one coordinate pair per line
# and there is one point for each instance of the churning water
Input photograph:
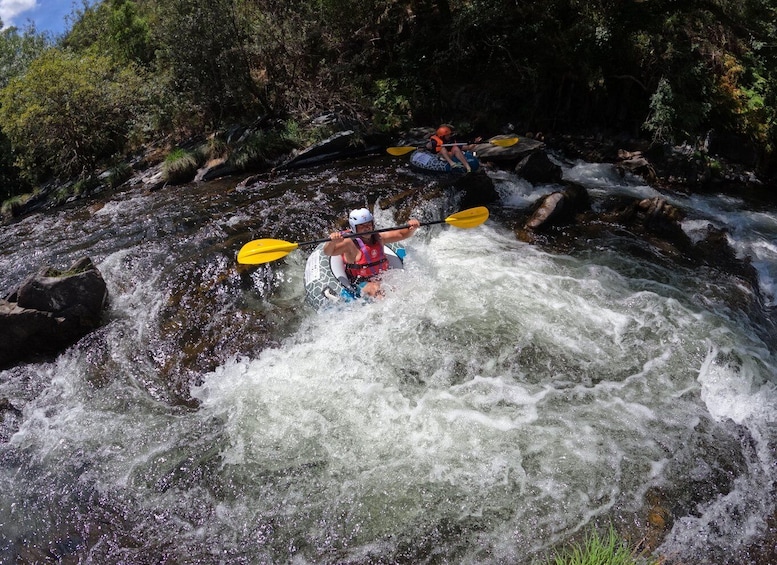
x,y
500,401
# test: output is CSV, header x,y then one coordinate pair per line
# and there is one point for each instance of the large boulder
x,y
559,207
475,189
342,145
488,151
51,310
537,168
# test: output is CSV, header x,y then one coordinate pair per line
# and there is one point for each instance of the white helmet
x,y
358,217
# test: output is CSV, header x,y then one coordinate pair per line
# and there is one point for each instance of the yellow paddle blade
x,y
470,218
261,251
508,142
403,150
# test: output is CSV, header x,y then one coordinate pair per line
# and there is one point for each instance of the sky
x,y
47,15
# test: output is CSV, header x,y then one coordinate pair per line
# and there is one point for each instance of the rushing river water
x,y
500,401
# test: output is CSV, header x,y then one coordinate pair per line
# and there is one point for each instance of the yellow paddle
x,y
261,251
405,149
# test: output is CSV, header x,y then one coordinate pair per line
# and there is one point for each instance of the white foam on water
x,y
516,192
742,389
493,380
752,234
498,393
604,178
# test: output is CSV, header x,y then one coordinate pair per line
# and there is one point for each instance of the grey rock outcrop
x,y
51,310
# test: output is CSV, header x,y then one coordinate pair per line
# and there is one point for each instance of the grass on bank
x,y
10,206
601,550
181,165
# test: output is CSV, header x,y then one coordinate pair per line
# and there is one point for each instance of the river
x,y
498,403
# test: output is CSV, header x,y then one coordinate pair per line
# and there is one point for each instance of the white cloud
x,y
11,9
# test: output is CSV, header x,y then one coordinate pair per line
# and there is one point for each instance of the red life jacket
x,y
435,143
372,261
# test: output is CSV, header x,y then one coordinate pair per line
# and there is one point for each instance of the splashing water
x,y
498,402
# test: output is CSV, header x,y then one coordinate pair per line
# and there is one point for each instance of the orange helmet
x,y
442,131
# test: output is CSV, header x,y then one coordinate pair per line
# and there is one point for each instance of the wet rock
x,y
78,292
658,216
634,162
50,311
152,180
658,519
342,145
7,407
525,146
214,169
475,189
552,206
715,250
537,168
559,207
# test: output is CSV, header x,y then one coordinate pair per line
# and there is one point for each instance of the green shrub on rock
x,y
180,166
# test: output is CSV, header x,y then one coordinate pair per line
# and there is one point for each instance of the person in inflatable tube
x,y
364,256
437,144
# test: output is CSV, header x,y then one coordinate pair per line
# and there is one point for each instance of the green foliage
x,y
392,110
599,550
662,114
118,174
215,147
180,166
11,206
203,47
129,35
130,70
11,181
293,131
18,51
115,28
69,113
84,185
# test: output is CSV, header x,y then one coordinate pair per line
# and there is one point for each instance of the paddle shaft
x,y
404,149
507,142
453,144
352,235
460,143
261,251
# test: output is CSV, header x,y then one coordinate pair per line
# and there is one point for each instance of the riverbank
x,y
243,151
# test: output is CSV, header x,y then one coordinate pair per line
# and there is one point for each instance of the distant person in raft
x,y
446,148
364,257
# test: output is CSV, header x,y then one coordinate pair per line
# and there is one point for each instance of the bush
x,y
260,149
391,108
69,113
